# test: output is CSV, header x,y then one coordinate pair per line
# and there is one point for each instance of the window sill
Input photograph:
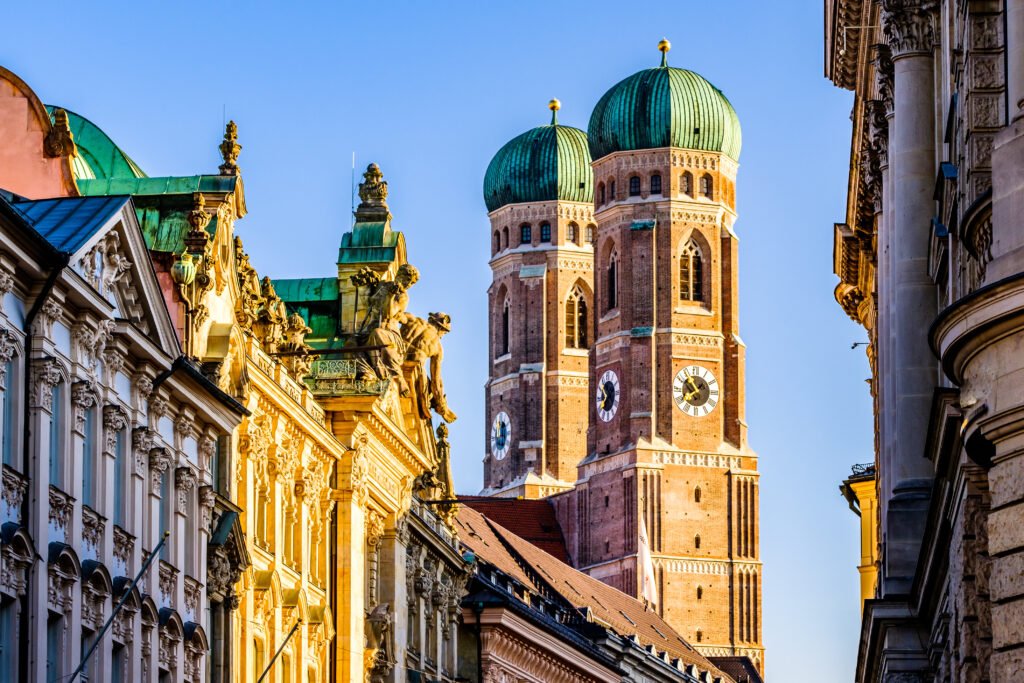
x,y
582,353
503,358
692,309
610,315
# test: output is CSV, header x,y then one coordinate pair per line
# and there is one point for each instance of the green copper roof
x,y
158,186
98,156
371,242
544,164
664,107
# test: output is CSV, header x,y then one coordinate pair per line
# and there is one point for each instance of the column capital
x,y
909,26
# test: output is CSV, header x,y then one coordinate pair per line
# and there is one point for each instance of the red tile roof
x,y
534,568
533,520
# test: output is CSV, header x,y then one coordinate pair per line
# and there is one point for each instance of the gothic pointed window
x,y
545,232
612,280
656,183
634,186
505,329
525,234
686,184
706,187
576,320
691,273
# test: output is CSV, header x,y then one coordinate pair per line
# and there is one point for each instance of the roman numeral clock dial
x,y
608,395
695,390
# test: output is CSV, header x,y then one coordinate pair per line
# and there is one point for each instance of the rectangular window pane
x,y
54,628
117,661
8,635
215,466
119,477
88,460
164,501
8,425
55,439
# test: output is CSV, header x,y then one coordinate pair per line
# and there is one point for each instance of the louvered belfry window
x,y
576,320
691,273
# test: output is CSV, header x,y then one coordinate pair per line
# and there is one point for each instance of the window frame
x,y
634,186
656,180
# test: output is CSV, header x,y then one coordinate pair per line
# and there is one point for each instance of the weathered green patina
x,y
664,107
372,242
98,156
543,164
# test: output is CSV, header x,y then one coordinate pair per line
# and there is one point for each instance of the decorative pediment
x,y
115,262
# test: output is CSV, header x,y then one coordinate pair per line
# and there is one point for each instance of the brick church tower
x,y
539,192
666,442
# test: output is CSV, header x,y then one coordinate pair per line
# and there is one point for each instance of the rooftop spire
x,y
664,46
229,150
373,192
554,105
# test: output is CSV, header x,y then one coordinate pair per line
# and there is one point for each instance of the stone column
x,y
908,28
1008,160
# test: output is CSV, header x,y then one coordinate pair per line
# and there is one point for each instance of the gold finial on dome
x,y
554,105
664,45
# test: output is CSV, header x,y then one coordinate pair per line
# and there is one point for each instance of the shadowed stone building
x,y
616,385
929,262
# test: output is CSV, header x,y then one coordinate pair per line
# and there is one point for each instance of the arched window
x,y
525,234
576,320
634,186
571,233
700,592
691,273
590,234
656,183
505,241
545,232
706,187
686,183
612,280
696,495
497,241
505,329
696,541
700,635
611,190
600,194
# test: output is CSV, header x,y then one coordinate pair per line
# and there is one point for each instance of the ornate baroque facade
x,y
928,260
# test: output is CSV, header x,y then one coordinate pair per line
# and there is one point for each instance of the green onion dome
x,y
664,107
543,164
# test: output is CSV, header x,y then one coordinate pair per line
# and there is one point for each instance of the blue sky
x,y
430,91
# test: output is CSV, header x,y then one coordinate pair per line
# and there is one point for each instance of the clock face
x,y
501,435
608,395
695,390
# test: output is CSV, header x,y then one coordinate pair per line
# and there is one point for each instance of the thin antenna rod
x,y
352,190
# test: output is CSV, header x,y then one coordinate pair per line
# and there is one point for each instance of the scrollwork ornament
x,y
184,482
47,376
115,419
159,461
8,347
6,286
142,444
207,497
83,398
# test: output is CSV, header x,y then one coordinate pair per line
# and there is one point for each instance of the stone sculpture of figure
x,y
380,643
300,358
382,327
271,317
423,338
251,297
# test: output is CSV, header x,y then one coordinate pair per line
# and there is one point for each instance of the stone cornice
x,y
909,26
